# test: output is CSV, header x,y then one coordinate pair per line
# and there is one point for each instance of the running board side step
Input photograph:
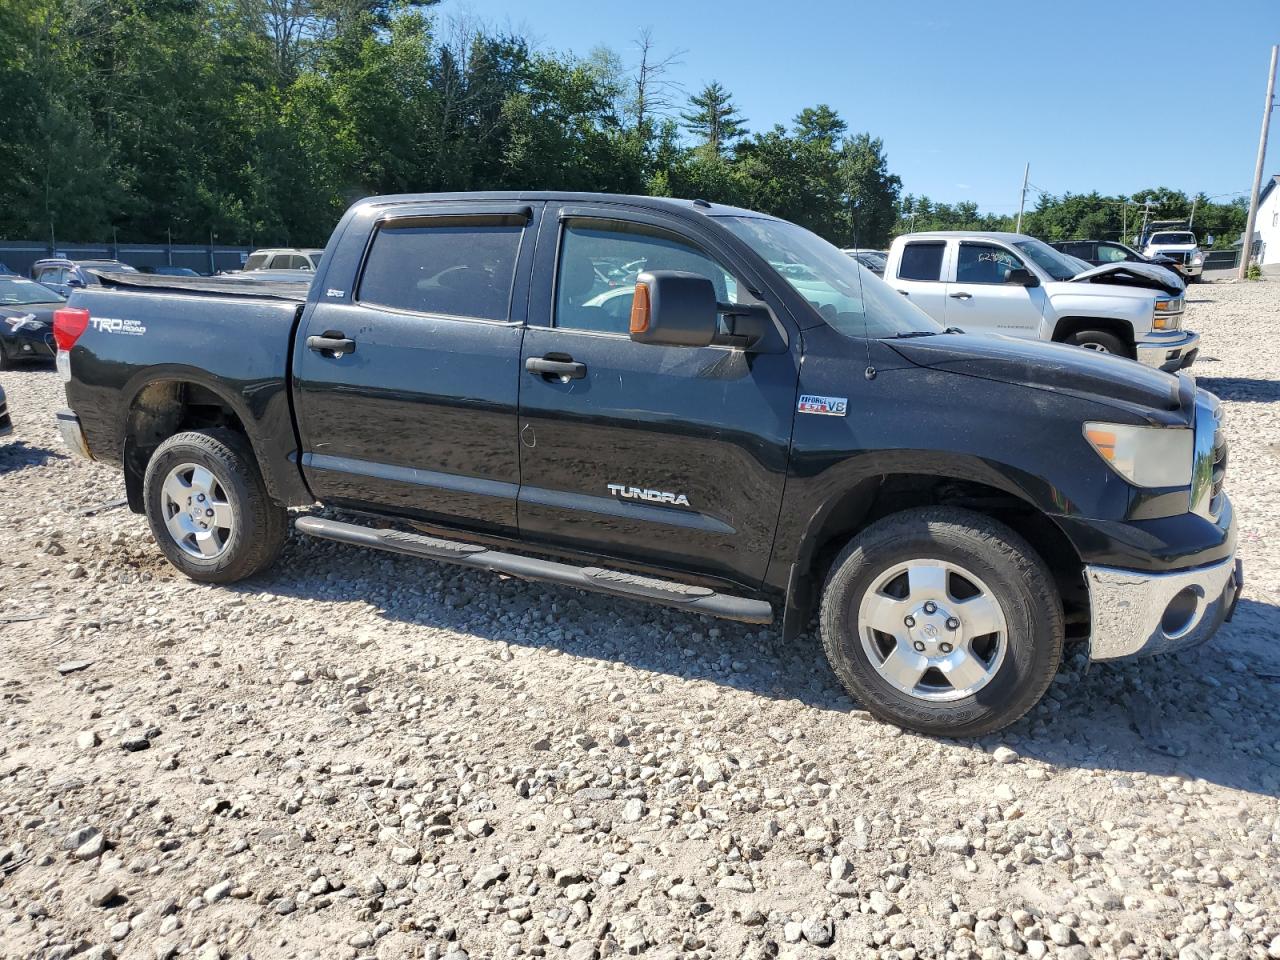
x,y
613,582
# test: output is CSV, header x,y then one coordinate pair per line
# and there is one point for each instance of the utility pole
x,y
1194,201
1246,253
1026,175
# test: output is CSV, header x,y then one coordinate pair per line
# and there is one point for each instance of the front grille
x,y
1178,256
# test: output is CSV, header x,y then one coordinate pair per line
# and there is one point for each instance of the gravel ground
x,y
363,756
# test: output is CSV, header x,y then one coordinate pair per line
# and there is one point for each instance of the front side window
x,y
52,275
447,268
921,261
985,263
599,265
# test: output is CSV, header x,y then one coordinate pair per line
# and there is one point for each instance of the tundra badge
x,y
653,496
826,406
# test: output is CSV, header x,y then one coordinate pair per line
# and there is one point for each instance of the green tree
x,y
714,118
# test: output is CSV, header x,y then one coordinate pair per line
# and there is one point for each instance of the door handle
x,y
551,367
960,296
332,344
905,293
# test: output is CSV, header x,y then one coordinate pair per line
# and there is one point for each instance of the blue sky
x,y
1106,96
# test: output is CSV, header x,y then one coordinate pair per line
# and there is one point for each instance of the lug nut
x,y
200,498
953,623
919,646
208,513
930,607
910,621
945,647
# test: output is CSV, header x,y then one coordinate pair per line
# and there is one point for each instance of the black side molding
x,y
613,582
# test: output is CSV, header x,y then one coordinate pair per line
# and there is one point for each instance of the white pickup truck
x,y
1179,246
1015,285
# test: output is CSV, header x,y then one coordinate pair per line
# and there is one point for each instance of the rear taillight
x,y
68,324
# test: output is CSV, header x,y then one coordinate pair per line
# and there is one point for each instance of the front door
x,y
672,457
982,300
406,384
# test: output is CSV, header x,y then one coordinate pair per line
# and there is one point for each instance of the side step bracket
x,y
614,582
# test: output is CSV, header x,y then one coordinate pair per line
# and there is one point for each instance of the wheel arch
x,y
1121,329
170,400
870,498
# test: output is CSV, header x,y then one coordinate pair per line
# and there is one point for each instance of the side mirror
x,y
74,282
1022,277
673,308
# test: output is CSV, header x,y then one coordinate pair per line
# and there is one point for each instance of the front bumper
x,y
1137,613
1170,353
73,434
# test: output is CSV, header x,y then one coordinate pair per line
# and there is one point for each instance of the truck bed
x,y
230,286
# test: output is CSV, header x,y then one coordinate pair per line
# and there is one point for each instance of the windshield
x,y
16,290
1173,238
848,296
1055,264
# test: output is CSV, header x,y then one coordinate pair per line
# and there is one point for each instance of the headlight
x,y
25,322
1145,456
1197,257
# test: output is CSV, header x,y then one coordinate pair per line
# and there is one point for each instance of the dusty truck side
x,y
680,403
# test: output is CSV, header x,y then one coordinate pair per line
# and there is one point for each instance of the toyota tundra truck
x,y
674,402
1018,286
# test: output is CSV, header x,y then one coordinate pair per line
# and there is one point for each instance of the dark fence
x,y
19,255
1221,259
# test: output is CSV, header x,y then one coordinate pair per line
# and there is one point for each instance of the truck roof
x,y
988,234
670,204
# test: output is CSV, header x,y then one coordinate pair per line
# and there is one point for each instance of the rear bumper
x,y
1169,354
73,434
1137,613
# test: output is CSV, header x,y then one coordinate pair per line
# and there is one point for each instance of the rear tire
x,y
209,509
6,361
1100,342
960,669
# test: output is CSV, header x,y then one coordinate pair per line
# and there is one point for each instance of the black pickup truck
x,y
675,402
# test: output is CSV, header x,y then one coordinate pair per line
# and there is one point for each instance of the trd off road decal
x,y
131,328
826,406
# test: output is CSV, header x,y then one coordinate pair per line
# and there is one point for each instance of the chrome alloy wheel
x,y
933,630
1094,346
196,511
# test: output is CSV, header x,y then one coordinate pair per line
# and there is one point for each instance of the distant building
x,y
1268,222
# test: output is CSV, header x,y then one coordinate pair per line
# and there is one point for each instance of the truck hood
x,y
1054,367
1147,275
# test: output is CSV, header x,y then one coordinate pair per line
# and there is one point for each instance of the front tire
x,y
1100,341
209,509
943,621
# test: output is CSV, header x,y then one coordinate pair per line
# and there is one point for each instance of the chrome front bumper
x,y
1137,614
73,434
1168,354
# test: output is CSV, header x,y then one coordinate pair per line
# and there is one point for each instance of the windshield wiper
x,y
914,333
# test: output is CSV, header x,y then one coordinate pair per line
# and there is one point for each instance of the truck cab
x,y
1018,286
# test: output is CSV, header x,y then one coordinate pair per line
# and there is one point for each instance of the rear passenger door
x,y
920,276
670,457
406,383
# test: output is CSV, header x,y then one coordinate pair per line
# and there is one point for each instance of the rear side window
x,y
445,267
921,261
1082,250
